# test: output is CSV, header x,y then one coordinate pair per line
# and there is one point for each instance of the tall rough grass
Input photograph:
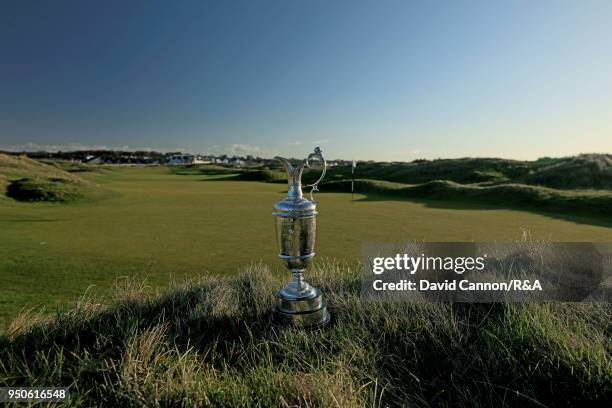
x,y
14,167
24,179
213,342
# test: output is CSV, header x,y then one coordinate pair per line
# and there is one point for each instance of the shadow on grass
x,y
596,220
219,177
37,220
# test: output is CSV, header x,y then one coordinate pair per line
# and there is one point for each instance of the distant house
x,y
202,159
182,159
93,160
237,161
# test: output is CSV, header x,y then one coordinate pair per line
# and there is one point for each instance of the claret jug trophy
x,y
299,303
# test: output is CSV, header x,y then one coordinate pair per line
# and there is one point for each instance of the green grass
x,y
597,203
212,342
149,222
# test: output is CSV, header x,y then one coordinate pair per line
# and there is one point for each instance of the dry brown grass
x,y
24,179
13,167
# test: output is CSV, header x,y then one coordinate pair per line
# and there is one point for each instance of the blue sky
x,y
384,80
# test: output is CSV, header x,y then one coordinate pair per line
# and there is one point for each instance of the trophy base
x,y
302,311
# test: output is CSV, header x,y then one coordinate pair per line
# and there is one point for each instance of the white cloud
x,y
321,142
33,147
243,149
239,149
234,149
70,147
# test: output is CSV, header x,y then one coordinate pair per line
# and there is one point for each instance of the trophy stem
x,y
300,304
298,279
298,288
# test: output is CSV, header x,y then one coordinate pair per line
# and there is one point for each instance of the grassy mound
x,y
512,195
42,189
572,184
585,171
237,173
24,179
3,183
466,170
205,169
213,342
268,176
73,167
14,167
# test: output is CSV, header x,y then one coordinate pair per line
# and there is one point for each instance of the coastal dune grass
x,y
212,341
24,179
592,202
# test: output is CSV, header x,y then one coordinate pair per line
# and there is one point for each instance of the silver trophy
x,y
299,303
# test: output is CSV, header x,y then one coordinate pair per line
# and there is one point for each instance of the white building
x,y
182,159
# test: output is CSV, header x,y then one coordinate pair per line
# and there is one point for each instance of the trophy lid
x,y
295,204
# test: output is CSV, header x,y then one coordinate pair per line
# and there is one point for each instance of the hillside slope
x,y
593,171
25,179
13,167
580,184
502,195
585,171
582,172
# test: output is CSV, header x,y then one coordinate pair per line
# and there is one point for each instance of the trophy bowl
x,y
296,239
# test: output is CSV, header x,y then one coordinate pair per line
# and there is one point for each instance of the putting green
x,y
154,224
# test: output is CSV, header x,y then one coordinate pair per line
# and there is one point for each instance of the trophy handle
x,y
294,174
318,154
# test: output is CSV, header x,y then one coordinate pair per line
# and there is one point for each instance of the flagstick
x,y
353,181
